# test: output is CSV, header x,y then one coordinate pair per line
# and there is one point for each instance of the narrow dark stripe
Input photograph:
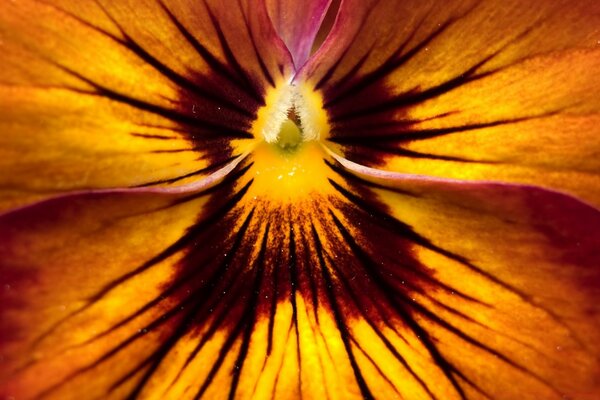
x,y
255,92
340,323
390,294
213,62
201,171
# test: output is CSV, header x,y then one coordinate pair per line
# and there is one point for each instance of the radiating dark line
x,y
390,294
425,312
394,225
178,245
410,135
150,136
413,97
273,299
170,74
212,167
374,364
378,124
294,282
327,76
233,335
377,331
416,238
339,320
387,67
314,289
403,152
261,62
251,88
219,271
251,309
390,60
213,62
424,134
476,322
155,109
154,324
281,364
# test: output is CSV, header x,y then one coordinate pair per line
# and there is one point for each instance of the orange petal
x,y
468,90
295,278
100,95
512,286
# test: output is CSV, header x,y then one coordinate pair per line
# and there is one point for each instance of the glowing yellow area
x,y
289,175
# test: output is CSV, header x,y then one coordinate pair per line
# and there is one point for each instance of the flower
x,y
195,206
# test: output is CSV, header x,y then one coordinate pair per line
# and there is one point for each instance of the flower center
x,y
287,159
292,114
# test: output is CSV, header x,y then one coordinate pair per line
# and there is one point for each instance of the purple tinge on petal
x,y
298,22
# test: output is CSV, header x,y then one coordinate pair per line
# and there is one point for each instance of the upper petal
x,y
488,90
99,94
298,22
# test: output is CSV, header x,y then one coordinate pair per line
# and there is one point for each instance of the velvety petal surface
x,y
477,90
256,290
297,23
141,93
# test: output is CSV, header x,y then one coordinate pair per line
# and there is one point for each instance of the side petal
x,y
512,289
487,90
100,95
298,22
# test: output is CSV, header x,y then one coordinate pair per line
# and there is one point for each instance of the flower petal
x,y
255,291
99,95
487,90
513,285
298,22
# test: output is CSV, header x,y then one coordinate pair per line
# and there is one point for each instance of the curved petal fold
x,y
100,95
473,90
297,22
250,291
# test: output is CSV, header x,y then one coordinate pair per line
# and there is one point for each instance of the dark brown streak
x,y
339,319
247,321
387,67
375,365
154,324
155,109
220,271
169,251
261,63
200,171
251,312
251,88
170,74
475,322
406,134
400,308
414,96
330,72
397,226
149,136
274,391
213,62
293,269
425,312
402,152
369,320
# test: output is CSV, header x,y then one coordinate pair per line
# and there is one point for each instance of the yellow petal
x,y
498,91
101,95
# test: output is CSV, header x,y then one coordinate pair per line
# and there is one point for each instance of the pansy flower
x,y
255,199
